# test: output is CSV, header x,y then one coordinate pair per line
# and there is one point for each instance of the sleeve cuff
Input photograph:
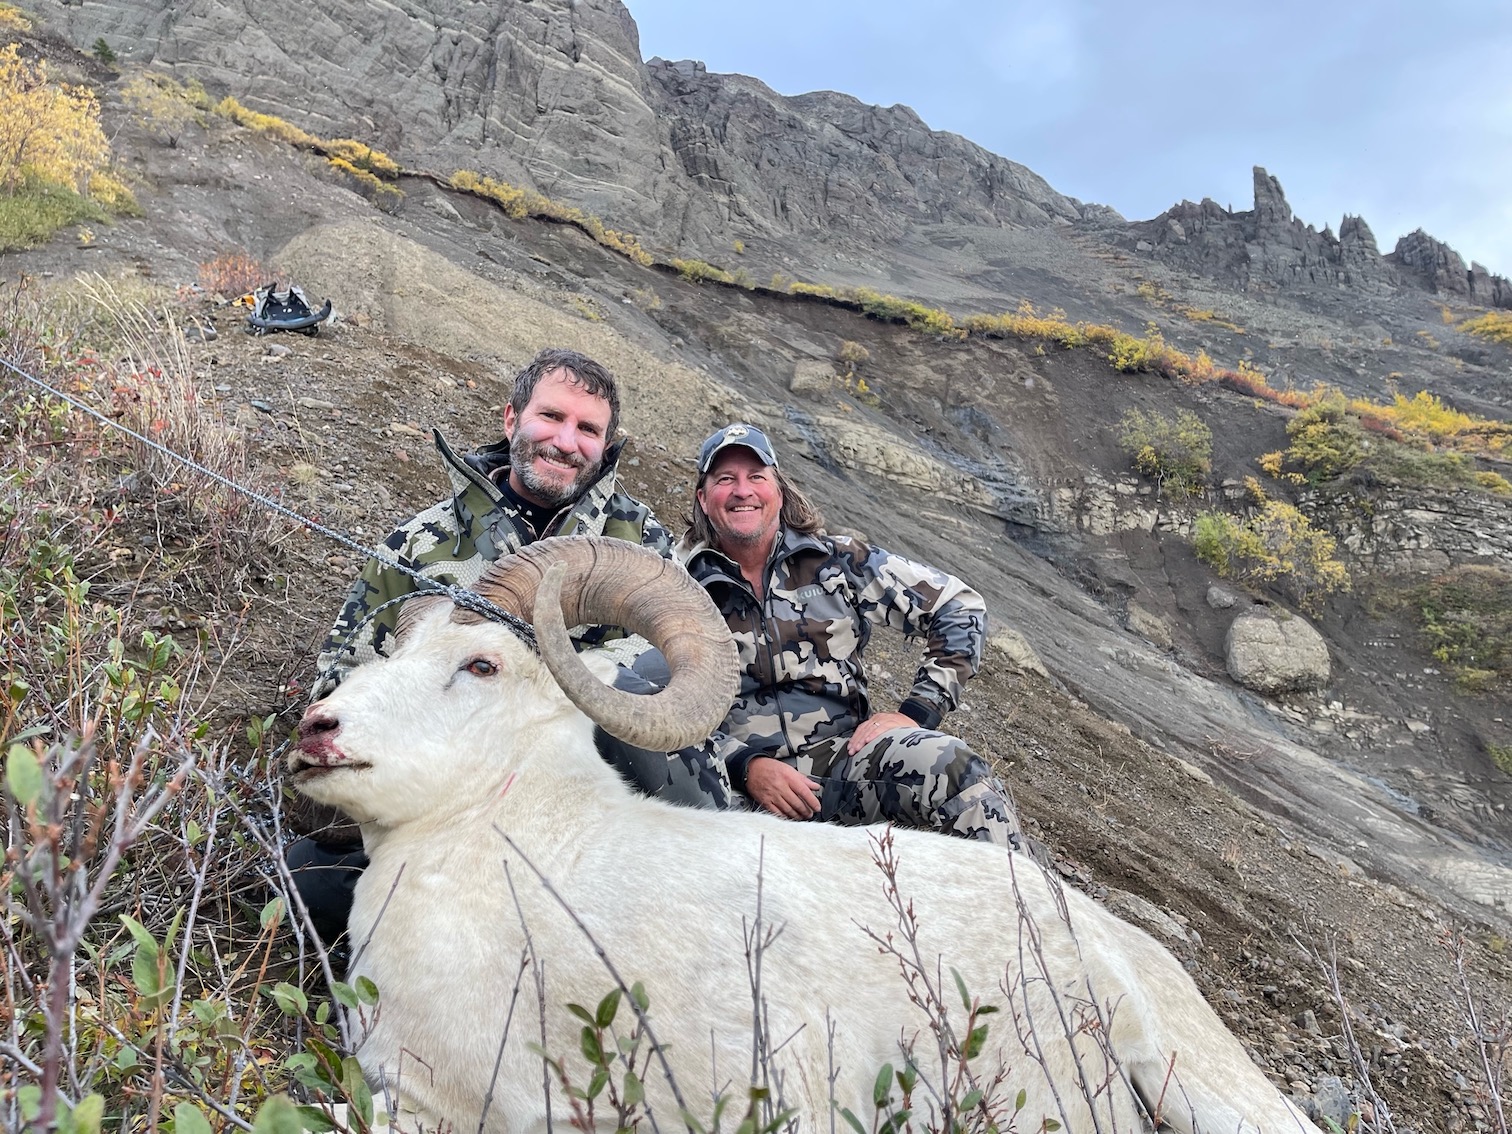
x,y
921,713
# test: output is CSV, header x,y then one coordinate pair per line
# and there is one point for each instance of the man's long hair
x,y
798,514
590,375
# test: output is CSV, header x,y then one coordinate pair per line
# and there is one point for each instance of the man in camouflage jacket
x,y
802,605
454,540
553,474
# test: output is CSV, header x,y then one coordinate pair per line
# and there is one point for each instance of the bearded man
x,y
552,474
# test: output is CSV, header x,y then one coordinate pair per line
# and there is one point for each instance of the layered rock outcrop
x,y
1268,248
828,161
1436,267
553,94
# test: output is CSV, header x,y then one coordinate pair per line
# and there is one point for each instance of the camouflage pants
x,y
913,777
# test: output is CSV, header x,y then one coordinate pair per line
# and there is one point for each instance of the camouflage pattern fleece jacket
x,y
455,539
801,676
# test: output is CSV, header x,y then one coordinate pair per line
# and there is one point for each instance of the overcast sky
x,y
1399,111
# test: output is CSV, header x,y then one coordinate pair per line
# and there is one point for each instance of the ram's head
x,y
436,727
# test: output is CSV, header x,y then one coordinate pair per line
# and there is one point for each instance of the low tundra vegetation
x,y
520,203
368,170
54,156
1176,453
1274,544
1465,617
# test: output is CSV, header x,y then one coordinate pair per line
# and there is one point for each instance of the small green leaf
x,y
187,1119
315,1119
634,1092
1051,1126
852,1120
345,994
356,1088
961,988
1023,1097
367,991
592,1052
272,914
139,932
23,775
607,1008
126,1059
599,1081
89,1112
638,996
278,1115
581,1013
882,1088
173,928
290,1000
975,1042
973,1097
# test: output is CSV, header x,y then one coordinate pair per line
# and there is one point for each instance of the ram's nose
x,y
318,721
317,735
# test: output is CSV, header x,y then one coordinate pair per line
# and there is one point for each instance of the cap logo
x,y
734,431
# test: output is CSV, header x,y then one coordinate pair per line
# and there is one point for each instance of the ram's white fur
x,y
440,759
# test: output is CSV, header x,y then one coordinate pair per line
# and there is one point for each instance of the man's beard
x,y
551,493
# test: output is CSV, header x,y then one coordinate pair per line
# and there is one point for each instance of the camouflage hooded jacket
x,y
801,677
455,539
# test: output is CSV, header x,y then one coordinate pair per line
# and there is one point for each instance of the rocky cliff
x,y
553,94
1268,248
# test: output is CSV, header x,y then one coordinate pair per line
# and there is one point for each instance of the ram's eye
x,y
482,667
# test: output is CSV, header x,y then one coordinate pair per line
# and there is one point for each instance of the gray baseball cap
x,y
737,434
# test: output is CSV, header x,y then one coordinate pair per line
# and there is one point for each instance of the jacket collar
x,y
475,478
704,558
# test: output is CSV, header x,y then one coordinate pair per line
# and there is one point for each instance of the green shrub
x,y
1465,616
1418,468
1176,454
697,271
1494,483
1326,441
1279,545
101,51
32,214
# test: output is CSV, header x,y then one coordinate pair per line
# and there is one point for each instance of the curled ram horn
x,y
591,580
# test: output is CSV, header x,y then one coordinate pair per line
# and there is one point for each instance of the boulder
x,y
1149,626
1273,651
811,376
1011,648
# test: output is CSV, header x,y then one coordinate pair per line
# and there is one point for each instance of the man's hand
x,y
874,726
781,788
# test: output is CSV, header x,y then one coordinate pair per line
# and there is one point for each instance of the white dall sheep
x,y
464,737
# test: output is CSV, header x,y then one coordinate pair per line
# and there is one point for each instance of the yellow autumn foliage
x,y
49,132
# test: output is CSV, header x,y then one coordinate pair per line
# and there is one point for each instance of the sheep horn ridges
x,y
611,582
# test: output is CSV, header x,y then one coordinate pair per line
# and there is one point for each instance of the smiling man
x,y
802,605
552,474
